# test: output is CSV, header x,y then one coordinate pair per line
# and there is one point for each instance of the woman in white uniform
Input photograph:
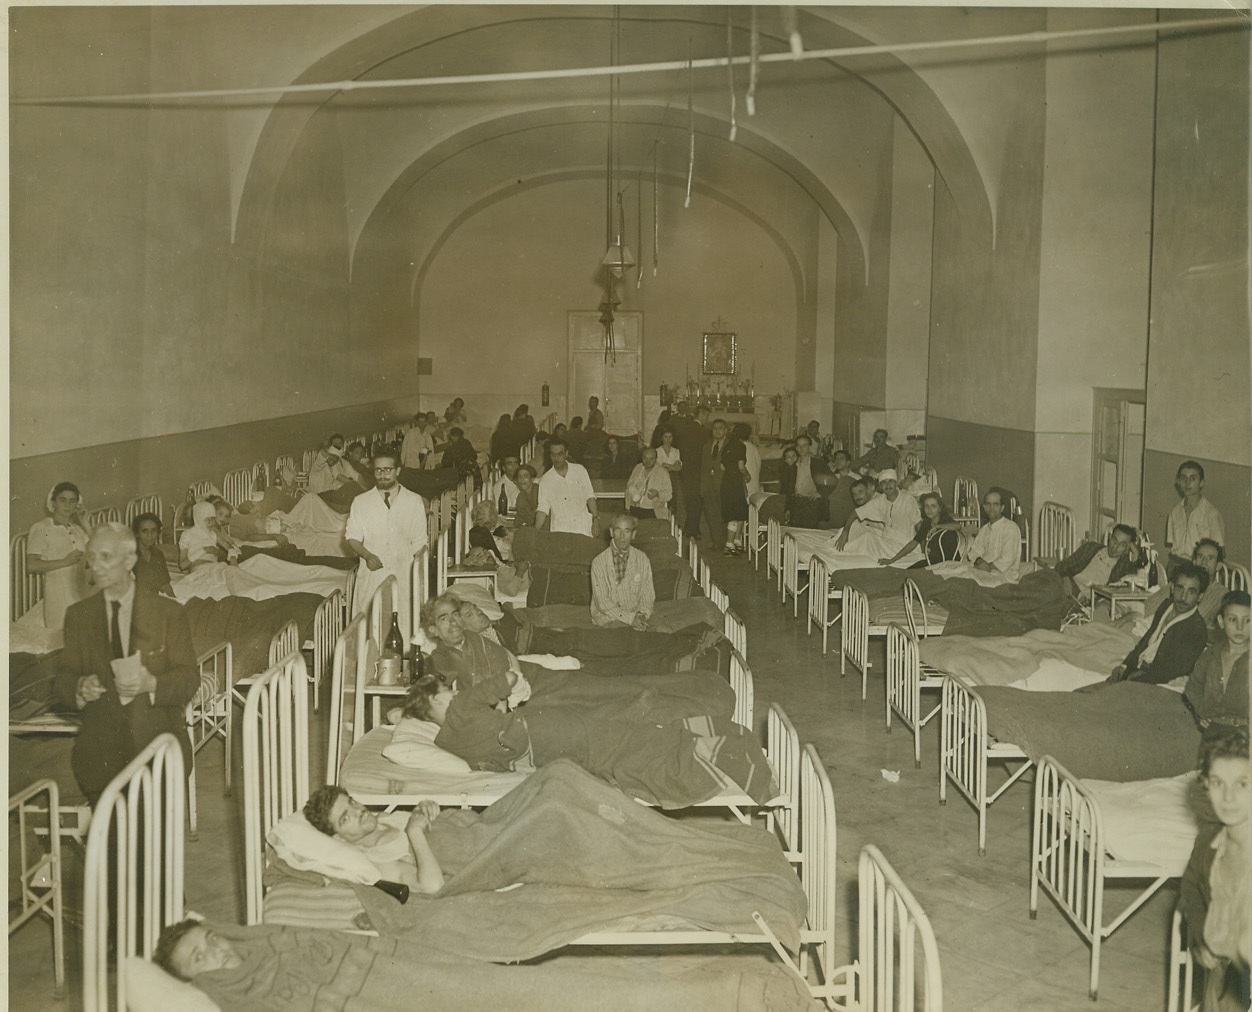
x,y
56,548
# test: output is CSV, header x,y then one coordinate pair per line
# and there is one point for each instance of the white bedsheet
x,y
314,527
1004,660
260,578
28,635
968,571
1148,820
862,552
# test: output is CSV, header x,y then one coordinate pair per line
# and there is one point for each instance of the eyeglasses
x,y
383,470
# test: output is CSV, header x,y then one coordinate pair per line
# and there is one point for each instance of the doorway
x,y
618,380
1116,459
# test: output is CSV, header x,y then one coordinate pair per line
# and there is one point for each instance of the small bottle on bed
x,y
419,664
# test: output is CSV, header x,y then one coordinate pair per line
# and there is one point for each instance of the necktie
x,y
115,630
387,499
717,452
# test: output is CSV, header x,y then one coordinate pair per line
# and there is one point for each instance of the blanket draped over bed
x,y
1096,646
1120,732
1038,601
591,858
248,625
301,970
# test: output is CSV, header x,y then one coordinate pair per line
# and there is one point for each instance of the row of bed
x,y
144,811
1111,802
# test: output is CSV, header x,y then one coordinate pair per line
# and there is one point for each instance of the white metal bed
x,y
966,507
283,642
906,681
141,808
820,597
966,749
276,784
754,535
150,504
796,578
354,758
773,552
737,632
328,622
210,715
1071,860
275,764
25,587
237,486
104,515
894,934
855,630
1056,536
39,871
718,596
1182,969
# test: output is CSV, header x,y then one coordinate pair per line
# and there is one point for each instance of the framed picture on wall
x,y
719,354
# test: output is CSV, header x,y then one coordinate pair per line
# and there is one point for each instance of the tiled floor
x,y
993,956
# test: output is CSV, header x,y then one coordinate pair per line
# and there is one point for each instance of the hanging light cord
x,y
730,70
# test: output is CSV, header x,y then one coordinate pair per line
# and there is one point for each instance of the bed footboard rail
x,y
895,934
736,631
1182,975
210,714
795,579
965,749
773,551
854,634
39,871
820,597
328,623
275,763
782,748
741,682
904,686
136,830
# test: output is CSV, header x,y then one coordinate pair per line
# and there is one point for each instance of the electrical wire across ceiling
x,y
705,63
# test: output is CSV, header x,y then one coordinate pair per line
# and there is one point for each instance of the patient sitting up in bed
x,y
1175,637
201,543
1093,564
998,544
1217,688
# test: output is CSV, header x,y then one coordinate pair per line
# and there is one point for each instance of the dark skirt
x,y
734,497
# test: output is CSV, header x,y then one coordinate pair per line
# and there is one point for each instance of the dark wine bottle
x,y
419,665
397,889
502,506
393,645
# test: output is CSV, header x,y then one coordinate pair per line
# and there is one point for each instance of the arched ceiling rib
x,y
451,39
767,185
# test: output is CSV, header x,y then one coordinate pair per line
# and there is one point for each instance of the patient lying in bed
x,y
673,747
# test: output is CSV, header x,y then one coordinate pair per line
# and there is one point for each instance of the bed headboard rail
x,y
275,763
137,828
894,933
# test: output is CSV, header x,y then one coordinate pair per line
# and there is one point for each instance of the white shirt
x,y
668,455
999,543
564,499
325,472
416,442
643,481
900,516
1182,531
510,491
806,487
753,464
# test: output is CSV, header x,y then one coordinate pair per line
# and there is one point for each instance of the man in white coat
x,y
386,529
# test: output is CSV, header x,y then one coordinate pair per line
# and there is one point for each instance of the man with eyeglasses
x,y
997,546
386,529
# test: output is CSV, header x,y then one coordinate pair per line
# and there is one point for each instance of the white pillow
x,y
413,745
151,989
306,848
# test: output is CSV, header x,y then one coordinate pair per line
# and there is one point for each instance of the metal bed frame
x,y
210,715
736,631
142,806
966,750
754,535
1182,969
1069,862
773,552
966,506
237,486
25,587
820,597
39,872
791,573
1056,536
894,933
906,681
353,657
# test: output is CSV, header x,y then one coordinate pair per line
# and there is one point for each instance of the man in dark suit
x,y
690,436
1176,637
711,484
128,664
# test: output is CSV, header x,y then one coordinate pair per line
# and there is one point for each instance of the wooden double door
x,y
616,379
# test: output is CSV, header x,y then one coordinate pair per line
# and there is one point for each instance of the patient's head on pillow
x,y
336,813
189,948
428,699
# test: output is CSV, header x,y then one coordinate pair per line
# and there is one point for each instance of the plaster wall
x,y
1198,346
499,289
1094,249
